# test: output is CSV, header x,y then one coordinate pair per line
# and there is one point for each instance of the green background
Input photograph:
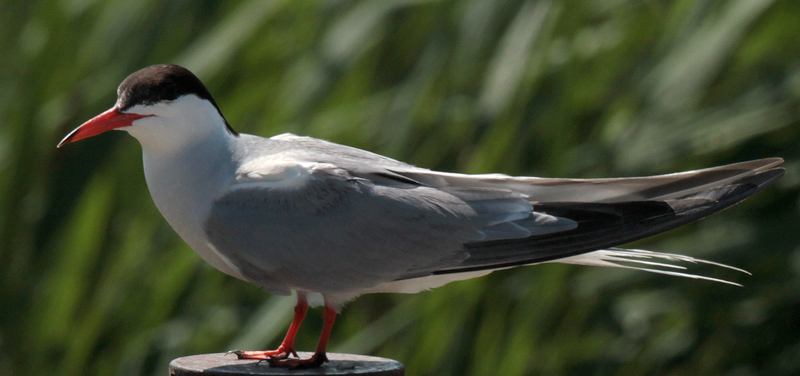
x,y
94,282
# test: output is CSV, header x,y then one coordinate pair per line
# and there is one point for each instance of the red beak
x,y
111,119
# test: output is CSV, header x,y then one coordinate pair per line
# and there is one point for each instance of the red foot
x,y
315,361
281,353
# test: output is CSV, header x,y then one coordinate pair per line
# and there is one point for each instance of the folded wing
x,y
334,219
645,207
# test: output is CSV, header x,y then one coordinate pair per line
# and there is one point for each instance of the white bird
x,y
291,213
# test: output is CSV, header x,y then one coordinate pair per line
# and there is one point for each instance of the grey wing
x,y
608,212
374,166
568,218
659,187
336,233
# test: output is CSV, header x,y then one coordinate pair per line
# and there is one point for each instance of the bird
x,y
329,222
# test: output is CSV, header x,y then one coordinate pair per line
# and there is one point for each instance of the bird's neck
x,y
184,176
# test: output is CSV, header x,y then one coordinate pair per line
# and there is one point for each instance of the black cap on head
x,y
161,83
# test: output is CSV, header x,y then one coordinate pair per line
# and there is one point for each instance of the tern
x,y
331,222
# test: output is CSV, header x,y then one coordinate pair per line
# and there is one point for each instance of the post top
x,y
220,364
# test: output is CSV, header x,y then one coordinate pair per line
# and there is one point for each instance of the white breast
x,y
184,197
187,163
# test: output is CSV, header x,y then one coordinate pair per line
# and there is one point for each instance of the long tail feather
x,y
620,258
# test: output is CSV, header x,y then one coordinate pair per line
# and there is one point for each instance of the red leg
x,y
287,346
319,357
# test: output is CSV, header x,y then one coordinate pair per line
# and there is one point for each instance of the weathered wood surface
x,y
222,364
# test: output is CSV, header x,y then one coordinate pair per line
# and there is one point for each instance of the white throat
x,y
176,125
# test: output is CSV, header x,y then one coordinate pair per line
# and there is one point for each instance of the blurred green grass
x,y
93,281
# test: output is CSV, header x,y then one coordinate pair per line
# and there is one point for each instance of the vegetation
x,y
94,282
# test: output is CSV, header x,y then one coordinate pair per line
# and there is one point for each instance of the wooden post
x,y
221,364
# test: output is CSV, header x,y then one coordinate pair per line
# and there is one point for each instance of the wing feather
x,y
318,227
603,225
659,187
337,219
